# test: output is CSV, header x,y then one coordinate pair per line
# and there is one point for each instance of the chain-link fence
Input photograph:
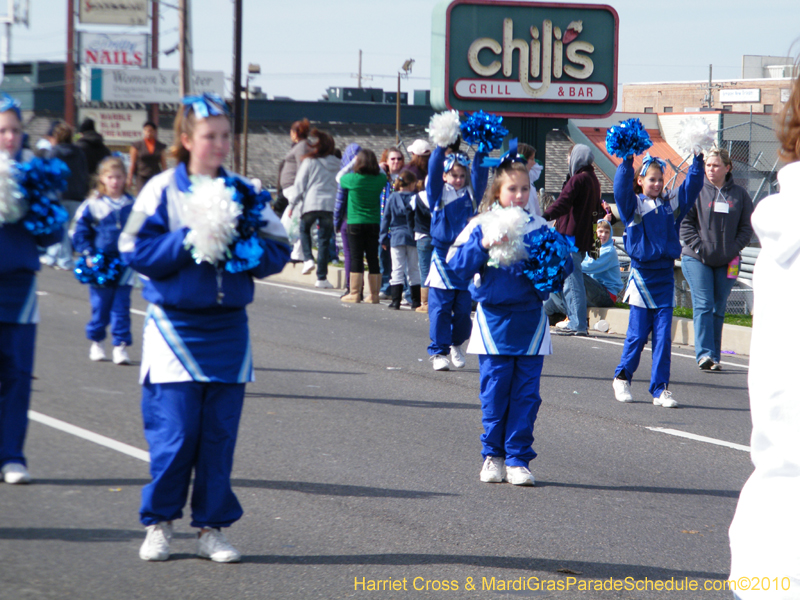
x,y
751,141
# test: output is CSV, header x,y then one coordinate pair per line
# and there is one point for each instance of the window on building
x,y
667,109
727,107
648,109
768,108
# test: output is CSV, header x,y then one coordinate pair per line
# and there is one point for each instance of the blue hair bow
x,y
509,157
8,103
456,157
648,161
207,105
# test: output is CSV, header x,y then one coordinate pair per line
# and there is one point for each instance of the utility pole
x,y
69,69
154,53
185,46
237,83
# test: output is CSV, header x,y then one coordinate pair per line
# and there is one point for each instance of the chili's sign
x,y
524,58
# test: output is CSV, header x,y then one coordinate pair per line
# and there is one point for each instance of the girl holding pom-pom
x,y
452,204
98,223
510,332
652,219
19,262
196,355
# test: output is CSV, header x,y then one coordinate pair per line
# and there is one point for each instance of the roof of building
x,y
660,148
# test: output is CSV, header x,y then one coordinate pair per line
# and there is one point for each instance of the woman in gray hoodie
x,y
713,234
315,187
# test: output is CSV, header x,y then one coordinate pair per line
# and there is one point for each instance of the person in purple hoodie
x,y
340,210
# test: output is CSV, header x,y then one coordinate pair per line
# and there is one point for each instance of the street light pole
x,y
405,70
237,82
252,71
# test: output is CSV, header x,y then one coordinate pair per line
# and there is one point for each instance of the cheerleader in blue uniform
x,y
98,223
510,332
19,261
652,223
452,204
196,355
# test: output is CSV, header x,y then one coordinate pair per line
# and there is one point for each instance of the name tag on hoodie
x,y
721,207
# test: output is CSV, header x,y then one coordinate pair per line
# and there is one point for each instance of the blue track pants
x,y
449,313
641,323
191,426
110,305
510,401
16,369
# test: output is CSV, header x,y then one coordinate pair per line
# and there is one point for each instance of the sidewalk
x,y
734,337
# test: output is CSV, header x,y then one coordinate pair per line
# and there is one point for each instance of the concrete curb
x,y
734,337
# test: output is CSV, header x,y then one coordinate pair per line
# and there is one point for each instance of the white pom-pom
x,y
695,136
12,205
211,214
444,128
504,228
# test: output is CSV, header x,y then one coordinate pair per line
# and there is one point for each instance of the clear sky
x,y
305,46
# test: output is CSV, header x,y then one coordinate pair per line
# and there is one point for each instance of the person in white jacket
x,y
765,553
315,188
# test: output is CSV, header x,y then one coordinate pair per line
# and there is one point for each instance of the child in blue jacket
x,y
98,223
196,355
510,334
452,204
652,222
19,313
395,221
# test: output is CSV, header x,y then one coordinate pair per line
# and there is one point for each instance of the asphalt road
x,y
357,464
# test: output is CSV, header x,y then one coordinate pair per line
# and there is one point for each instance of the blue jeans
x,y
385,257
424,252
596,295
325,221
575,295
710,290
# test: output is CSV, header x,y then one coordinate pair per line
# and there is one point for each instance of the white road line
x,y
649,349
89,435
700,438
299,289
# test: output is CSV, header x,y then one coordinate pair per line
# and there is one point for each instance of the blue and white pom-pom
x,y
629,137
105,270
444,128
695,136
12,203
40,180
550,252
211,214
507,224
484,130
248,247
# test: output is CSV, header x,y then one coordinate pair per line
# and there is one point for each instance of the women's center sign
x,y
524,59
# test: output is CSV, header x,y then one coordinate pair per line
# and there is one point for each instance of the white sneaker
x,y
120,355
440,362
97,352
308,266
519,476
212,544
156,542
665,399
494,469
457,357
563,324
15,473
622,390
324,284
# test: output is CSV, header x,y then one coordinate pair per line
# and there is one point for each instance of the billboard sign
x,y
528,59
113,50
149,85
740,95
117,126
113,12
